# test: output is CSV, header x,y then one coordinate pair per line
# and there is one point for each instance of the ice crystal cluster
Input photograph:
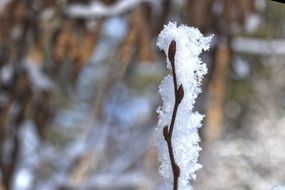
x,y
189,72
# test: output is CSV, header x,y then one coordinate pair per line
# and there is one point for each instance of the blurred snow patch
x,y
23,180
30,144
259,46
73,117
130,111
241,67
38,78
278,187
47,14
252,23
115,27
130,180
6,73
98,9
3,4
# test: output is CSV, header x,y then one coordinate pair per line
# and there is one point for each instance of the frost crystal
x,y
189,72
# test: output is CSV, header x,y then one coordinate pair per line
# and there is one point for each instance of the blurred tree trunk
x,y
218,17
217,90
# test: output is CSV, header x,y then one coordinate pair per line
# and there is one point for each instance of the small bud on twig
x,y
176,170
165,132
172,51
180,94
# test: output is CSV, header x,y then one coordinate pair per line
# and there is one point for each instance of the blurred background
x,y
79,92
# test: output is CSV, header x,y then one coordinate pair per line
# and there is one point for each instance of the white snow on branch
x,y
189,72
97,9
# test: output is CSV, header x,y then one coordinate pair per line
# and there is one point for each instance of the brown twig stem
x,y
167,132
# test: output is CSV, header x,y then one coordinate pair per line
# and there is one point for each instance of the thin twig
x,y
179,93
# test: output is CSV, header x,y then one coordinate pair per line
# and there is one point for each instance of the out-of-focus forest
x,y
79,92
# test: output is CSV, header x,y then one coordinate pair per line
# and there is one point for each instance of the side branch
x,y
167,132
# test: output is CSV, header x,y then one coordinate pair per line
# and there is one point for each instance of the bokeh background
x,y
79,92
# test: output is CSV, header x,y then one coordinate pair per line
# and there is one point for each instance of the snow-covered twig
x,y
167,132
179,155
97,9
